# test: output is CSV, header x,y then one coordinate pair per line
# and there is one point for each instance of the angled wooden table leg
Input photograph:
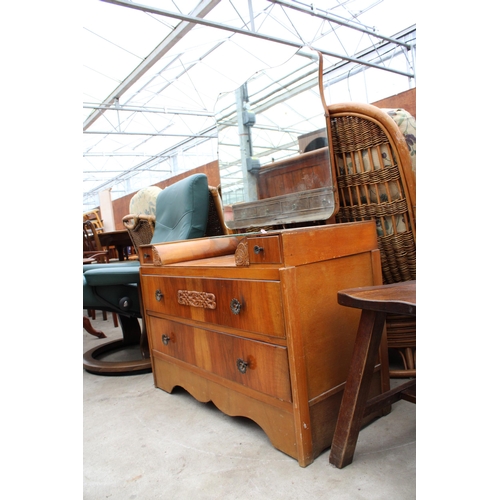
x,y
357,387
375,302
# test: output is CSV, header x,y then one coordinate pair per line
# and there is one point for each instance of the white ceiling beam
x,y
337,20
233,29
202,9
149,134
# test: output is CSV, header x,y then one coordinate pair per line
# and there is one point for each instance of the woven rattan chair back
x,y
372,166
215,223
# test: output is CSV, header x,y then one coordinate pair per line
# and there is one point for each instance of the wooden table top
x,y
397,298
120,237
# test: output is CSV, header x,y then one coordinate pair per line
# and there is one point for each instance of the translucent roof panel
x,y
151,78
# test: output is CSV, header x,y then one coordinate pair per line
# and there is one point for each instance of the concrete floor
x,y
143,443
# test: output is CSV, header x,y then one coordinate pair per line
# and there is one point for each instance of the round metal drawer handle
x,y
158,295
235,306
242,365
165,339
257,249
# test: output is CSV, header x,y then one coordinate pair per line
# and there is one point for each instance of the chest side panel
x,y
328,330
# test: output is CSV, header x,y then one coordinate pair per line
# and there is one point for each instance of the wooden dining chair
x,y
94,217
94,252
92,248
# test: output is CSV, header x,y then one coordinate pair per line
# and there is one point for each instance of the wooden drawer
x,y
256,365
264,250
248,305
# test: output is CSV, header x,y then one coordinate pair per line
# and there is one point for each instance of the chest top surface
x,y
289,247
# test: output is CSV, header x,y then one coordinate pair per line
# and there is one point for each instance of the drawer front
x,y
264,250
253,364
146,255
248,305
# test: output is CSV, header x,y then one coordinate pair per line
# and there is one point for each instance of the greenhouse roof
x,y
152,73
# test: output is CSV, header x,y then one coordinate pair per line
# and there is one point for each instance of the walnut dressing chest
x,y
251,323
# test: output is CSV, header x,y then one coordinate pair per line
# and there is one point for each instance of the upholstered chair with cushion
x,y
144,201
181,214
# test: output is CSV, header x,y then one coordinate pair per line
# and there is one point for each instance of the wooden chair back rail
x,y
92,247
93,216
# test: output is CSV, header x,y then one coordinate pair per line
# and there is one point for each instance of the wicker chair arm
x,y
131,221
140,228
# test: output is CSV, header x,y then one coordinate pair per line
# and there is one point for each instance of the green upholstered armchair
x,y
181,214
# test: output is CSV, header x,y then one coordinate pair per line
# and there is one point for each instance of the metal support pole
x,y
245,133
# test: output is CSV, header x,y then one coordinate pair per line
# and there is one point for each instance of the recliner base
x,y
132,337
93,364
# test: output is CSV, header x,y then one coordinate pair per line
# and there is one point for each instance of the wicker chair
x,y
215,224
373,167
140,223
140,228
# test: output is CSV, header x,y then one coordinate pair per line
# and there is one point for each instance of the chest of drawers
x,y
252,323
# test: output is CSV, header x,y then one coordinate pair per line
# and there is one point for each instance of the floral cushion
x,y
408,126
144,201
